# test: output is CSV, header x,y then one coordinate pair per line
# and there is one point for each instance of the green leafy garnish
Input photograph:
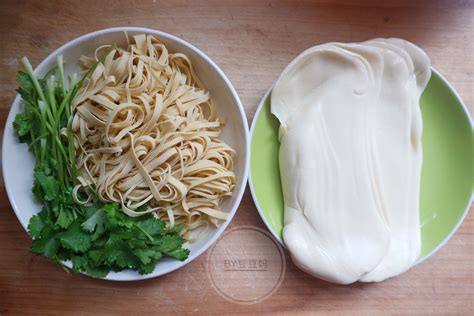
x,y
97,238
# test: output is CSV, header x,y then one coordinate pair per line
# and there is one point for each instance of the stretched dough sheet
x,y
350,158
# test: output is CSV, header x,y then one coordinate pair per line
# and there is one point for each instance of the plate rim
x,y
121,276
277,237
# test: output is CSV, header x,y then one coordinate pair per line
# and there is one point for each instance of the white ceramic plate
x,y
18,162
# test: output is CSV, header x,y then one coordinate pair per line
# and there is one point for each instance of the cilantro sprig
x,y
97,238
103,239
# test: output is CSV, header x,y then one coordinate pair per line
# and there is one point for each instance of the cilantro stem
x,y
52,97
71,148
34,80
36,139
65,104
59,61
42,152
61,147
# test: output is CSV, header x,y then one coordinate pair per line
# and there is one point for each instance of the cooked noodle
x,y
147,133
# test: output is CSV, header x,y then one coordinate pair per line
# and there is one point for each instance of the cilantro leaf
x,y
171,245
48,184
111,209
147,268
26,89
152,225
82,264
48,242
147,255
176,229
65,217
24,80
116,218
179,253
96,255
168,243
122,242
96,222
37,191
45,246
35,226
117,252
75,238
98,271
79,263
22,124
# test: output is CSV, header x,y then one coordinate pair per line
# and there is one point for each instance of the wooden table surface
x,y
252,41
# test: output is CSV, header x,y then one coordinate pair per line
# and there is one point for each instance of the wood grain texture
x,y
252,41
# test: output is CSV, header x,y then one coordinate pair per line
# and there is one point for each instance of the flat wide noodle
x,y
147,133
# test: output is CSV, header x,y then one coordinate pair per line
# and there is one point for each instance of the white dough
x,y
350,158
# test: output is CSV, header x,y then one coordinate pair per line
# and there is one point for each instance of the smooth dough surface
x,y
350,158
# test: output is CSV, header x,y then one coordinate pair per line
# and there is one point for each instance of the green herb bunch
x,y
97,237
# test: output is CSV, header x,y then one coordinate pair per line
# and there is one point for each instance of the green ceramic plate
x,y
446,178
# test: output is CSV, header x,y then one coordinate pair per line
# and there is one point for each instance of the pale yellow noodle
x,y
147,133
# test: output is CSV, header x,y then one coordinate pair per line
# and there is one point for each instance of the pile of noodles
x,y
147,137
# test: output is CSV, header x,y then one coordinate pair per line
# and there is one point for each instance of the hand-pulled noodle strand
x,y
147,133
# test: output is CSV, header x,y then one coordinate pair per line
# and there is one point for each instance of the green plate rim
x,y
277,237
